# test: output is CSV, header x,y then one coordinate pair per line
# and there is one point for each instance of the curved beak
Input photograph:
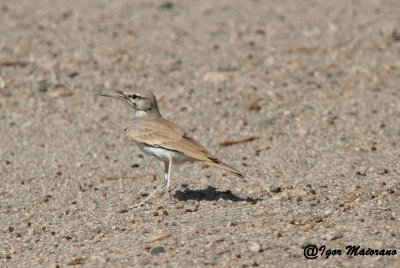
x,y
116,94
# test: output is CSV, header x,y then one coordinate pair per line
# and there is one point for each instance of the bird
x,y
162,138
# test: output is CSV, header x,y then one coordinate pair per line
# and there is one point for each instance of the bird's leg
x,y
162,185
168,167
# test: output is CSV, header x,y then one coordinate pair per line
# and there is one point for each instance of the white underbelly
x,y
164,154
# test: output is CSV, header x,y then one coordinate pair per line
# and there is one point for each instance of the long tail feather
x,y
219,164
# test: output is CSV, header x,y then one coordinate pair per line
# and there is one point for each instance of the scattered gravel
x,y
305,93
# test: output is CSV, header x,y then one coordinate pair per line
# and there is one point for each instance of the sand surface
x,y
315,82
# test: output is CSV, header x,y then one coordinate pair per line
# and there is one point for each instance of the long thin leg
x,y
169,177
164,183
168,172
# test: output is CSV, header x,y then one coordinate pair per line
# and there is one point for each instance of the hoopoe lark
x,y
161,138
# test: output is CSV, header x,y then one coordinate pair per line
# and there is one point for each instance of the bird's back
x,y
166,134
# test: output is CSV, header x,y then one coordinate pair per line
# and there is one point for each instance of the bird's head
x,y
142,101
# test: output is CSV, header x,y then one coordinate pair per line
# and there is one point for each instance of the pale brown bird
x,y
161,138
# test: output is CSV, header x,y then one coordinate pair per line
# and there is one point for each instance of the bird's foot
x,y
172,200
142,203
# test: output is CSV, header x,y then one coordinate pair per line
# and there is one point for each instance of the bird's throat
x,y
147,114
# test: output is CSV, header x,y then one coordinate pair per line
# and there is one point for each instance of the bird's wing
x,y
159,132
165,134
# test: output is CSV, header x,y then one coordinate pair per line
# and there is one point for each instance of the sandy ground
x,y
317,82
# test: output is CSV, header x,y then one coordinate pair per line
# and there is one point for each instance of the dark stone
x,y
157,250
276,189
167,5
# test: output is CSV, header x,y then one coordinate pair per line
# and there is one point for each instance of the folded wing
x,y
165,134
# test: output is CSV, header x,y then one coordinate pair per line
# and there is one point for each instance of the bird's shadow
x,y
210,194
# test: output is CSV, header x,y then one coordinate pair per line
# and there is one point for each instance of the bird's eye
x,y
134,96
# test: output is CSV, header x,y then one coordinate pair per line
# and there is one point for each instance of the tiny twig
x,y
158,237
14,63
131,177
232,142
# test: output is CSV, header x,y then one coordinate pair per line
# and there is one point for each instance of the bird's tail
x,y
219,164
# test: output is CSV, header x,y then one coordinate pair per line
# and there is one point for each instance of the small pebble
x,y
332,236
308,227
396,35
255,247
157,250
167,5
297,192
328,212
43,86
276,189
232,223
340,229
73,74
190,208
